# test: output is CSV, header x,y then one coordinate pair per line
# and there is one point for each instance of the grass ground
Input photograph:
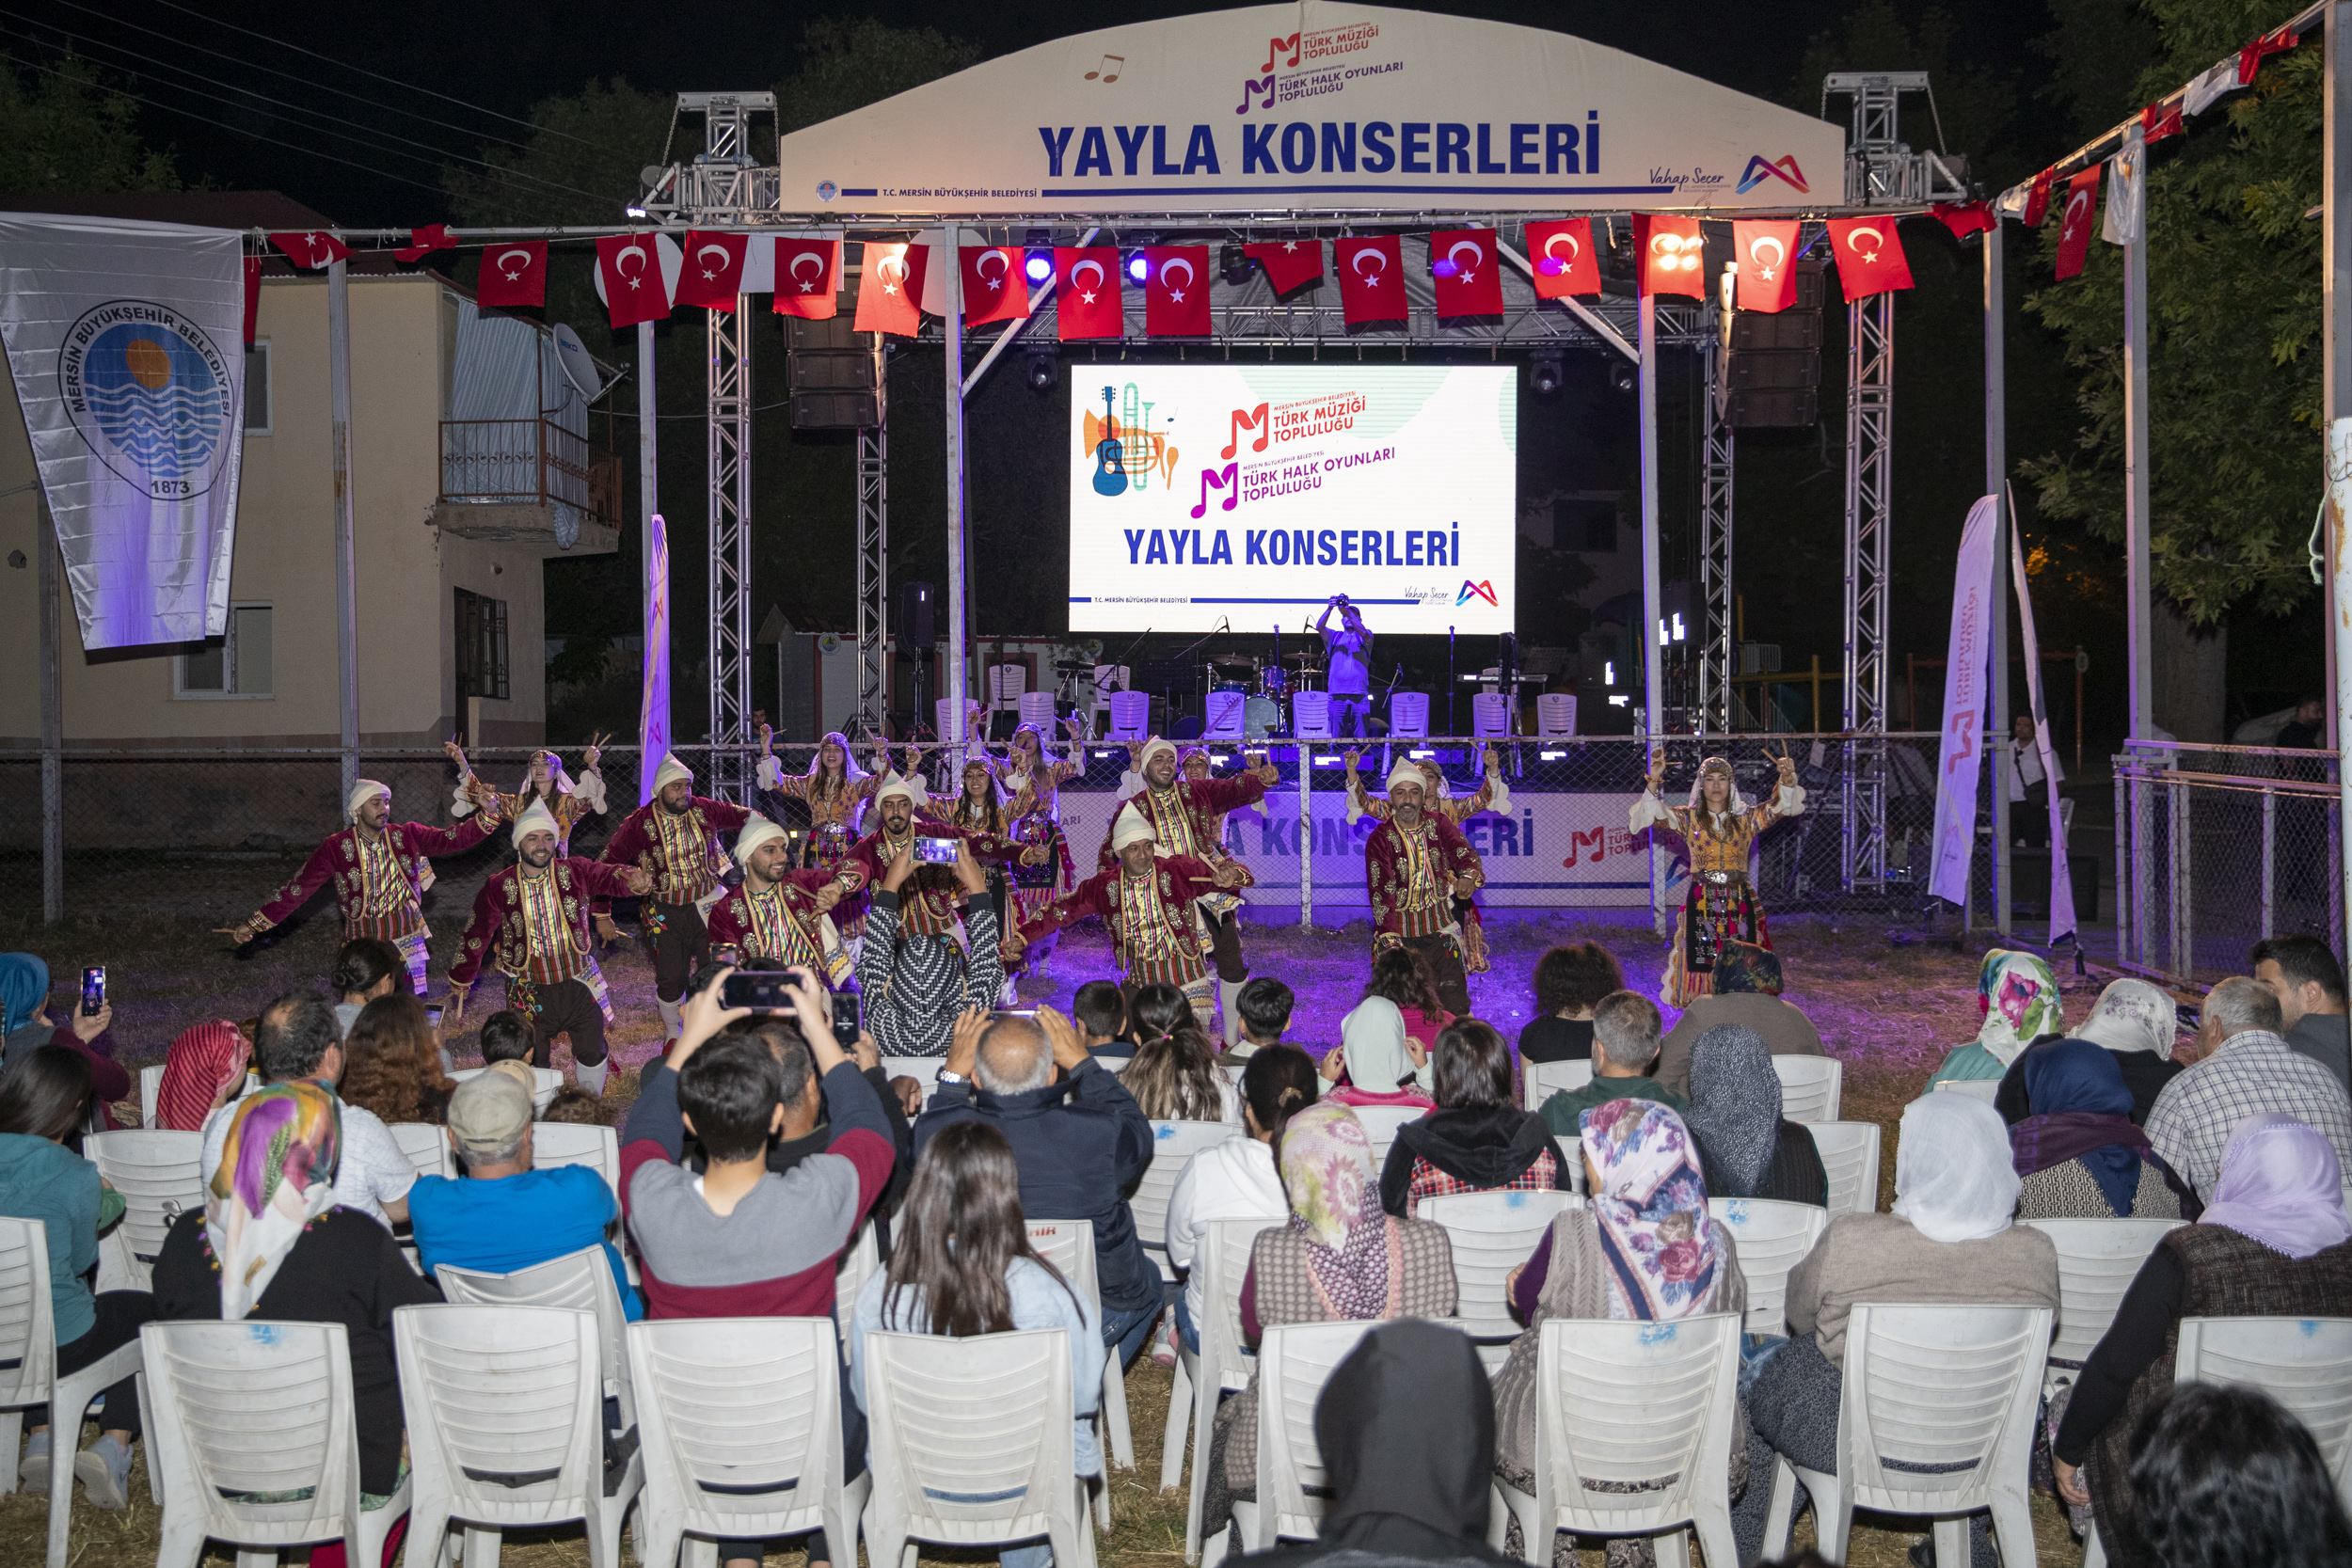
x,y
1889,1013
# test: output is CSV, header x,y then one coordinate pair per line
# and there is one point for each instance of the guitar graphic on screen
x,y
1110,458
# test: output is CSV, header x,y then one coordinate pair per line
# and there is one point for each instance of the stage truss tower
x,y
1718,706
873,576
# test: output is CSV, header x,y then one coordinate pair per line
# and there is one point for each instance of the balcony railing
x,y
529,463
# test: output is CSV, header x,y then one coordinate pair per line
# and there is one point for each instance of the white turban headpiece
x,y
1408,771
535,818
757,830
362,792
671,772
1151,747
1131,828
899,785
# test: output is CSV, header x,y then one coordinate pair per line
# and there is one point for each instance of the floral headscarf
x,y
1650,1208
2021,1003
1326,1161
276,1174
1743,968
2132,1015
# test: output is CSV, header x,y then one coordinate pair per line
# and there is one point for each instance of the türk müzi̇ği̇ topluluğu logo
x,y
150,394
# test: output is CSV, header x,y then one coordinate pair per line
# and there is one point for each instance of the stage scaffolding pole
x,y
2336,392
950,261
648,474
1653,665
52,574
727,381
1717,656
1996,485
346,567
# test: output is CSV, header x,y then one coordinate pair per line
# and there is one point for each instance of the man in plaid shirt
x,y
2245,1069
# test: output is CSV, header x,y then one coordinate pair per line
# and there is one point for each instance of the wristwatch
x,y
947,1077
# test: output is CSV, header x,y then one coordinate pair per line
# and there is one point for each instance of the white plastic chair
x,y
741,1435
944,715
1037,708
545,1082
1975,1088
1941,1385
578,1281
1555,715
1408,716
1007,685
923,1069
1540,1081
1226,713
1811,1087
987,1417
1222,1366
1491,1234
1772,1239
1310,715
427,1147
151,1090
1631,1402
1490,715
1131,717
1173,1144
565,1142
506,1414
160,1176
1380,1125
2098,1259
1295,1361
1849,1157
29,1376
2303,1363
859,1262
1068,1246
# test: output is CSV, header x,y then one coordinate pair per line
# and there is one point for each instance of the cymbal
x,y
1230,657
1302,658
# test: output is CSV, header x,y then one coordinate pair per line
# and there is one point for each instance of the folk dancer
x,y
670,837
1034,781
1146,900
1187,818
834,790
544,780
1719,830
983,808
1438,800
779,912
1417,865
531,924
382,870
929,901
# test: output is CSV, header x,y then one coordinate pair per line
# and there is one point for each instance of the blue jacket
x,y
1081,1143
47,1181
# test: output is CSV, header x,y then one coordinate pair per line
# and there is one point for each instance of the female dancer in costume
x,y
1034,781
836,790
1718,830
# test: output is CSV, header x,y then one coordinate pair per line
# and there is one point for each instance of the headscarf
x,y
558,781
1422,1497
1326,1161
193,1069
1650,1208
1734,1114
2281,1185
23,989
2132,1015
850,771
2020,1000
1954,1181
2080,1110
276,1174
1735,805
1744,968
1372,1036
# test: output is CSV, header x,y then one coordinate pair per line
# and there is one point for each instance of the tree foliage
x,y
63,129
851,63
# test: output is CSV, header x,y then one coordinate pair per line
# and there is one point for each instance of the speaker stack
x,y
834,374
1772,361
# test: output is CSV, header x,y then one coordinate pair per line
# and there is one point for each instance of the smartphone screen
x,y
845,1018
93,990
433,1016
935,851
1014,1012
760,989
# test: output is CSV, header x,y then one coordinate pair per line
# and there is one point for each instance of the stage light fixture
x,y
1138,268
1445,267
1041,372
1546,372
1608,673
1619,701
1621,376
1551,267
1040,265
1233,261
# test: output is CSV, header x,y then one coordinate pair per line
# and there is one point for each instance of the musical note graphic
x,y
1227,479
1250,89
1275,46
1110,68
1248,418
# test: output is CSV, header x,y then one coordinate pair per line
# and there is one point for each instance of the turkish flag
x,y
252,297
2249,59
1473,286
993,287
1964,218
1671,256
1288,262
1870,257
1565,259
422,242
2159,120
1766,254
1372,278
513,274
890,293
1176,290
630,270
713,275
1087,302
313,250
808,277
2082,207
2038,200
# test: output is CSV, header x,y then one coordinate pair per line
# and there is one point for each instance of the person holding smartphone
x,y
915,983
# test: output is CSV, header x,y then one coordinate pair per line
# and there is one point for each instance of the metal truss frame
x,y
1718,704
873,576
1869,475
729,479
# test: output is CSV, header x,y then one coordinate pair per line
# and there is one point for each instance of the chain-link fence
x,y
2224,845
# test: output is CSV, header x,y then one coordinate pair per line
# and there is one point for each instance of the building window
x,y
257,403
234,665
480,647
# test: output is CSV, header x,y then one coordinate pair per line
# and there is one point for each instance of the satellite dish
x,y
579,368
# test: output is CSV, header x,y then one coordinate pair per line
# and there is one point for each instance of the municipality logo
x,y
1761,168
1483,589
151,396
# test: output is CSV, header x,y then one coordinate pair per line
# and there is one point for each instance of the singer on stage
x,y
1347,658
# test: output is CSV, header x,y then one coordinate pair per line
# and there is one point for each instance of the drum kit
x,y
1266,685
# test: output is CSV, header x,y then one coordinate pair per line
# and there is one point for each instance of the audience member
x,y
1570,981
204,1068
1643,1249
1173,1073
1477,1140
392,1063
1624,1038
1264,1004
1949,1239
2245,1069
1080,1143
366,968
805,1129
737,1239
917,985
508,1035
1745,1148
2079,1154
1100,1012
296,1041
2273,1241
274,1240
2223,1477
2018,1000
2134,1022
962,1265
1403,976
24,998
1747,982
504,1214
46,1097
1236,1179
575,1106
1384,1065
1339,1259
2310,983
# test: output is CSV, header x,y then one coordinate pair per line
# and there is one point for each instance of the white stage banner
x,y
1963,751
2061,883
1315,106
653,705
126,343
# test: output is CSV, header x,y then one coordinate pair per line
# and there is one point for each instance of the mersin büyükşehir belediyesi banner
x,y
1202,493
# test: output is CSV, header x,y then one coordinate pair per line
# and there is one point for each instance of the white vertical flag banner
x,y
126,342
2127,193
2061,884
1960,756
653,717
